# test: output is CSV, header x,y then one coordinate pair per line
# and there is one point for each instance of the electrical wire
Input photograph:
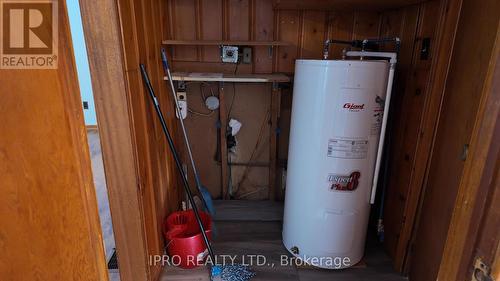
x,y
200,113
245,172
234,91
232,102
201,92
203,98
257,190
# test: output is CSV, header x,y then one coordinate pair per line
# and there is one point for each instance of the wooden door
x,y
473,235
49,224
486,247
466,78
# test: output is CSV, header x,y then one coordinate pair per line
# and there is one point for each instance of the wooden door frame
x,y
478,173
103,34
103,37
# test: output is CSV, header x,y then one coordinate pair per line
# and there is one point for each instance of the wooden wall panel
x,y
343,5
313,34
340,26
305,30
211,27
264,31
184,16
146,134
289,30
409,111
202,132
366,25
392,22
249,106
157,177
238,19
403,23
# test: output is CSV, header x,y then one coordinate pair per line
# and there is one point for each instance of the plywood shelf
x,y
224,42
220,77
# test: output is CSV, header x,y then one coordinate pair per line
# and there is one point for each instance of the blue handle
x,y
164,59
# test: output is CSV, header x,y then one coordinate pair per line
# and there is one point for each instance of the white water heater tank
x,y
337,113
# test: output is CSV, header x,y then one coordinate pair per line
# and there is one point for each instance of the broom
x,y
226,273
205,194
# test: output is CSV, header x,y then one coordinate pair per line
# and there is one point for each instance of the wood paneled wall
x,y
305,29
155,191
408,108
258,20
158,181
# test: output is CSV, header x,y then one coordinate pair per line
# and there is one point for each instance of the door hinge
x,y
465,152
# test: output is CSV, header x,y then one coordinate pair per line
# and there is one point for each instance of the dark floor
x,y
254,228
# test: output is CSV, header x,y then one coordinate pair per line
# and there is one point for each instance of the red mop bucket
x,y
186,246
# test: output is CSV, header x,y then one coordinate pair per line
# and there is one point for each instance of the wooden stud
x,y
273,151
223,142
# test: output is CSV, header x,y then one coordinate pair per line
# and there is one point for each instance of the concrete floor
x,y
254,228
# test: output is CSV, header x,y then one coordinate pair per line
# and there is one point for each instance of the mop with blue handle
x,y
225,272
205,194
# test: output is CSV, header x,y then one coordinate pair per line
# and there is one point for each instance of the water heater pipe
x,y
392,60
326,45
362,44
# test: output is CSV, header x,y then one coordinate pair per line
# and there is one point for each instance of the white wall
x,y
82,64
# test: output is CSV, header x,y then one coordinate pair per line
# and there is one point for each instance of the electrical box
x,y
182,102
229,54
247,55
